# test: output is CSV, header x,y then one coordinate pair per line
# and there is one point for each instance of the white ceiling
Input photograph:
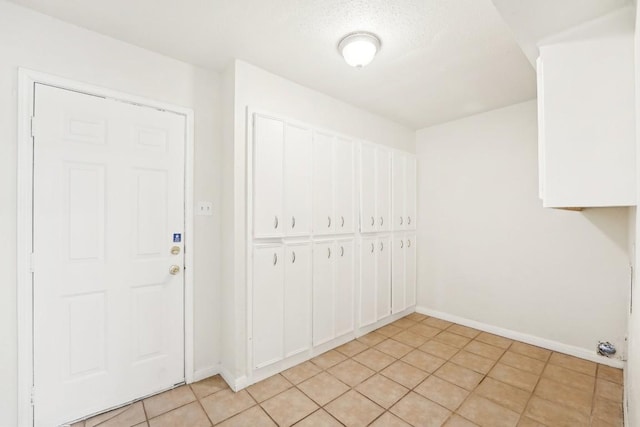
x,y
440,59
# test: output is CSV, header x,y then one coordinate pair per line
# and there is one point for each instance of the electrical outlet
x,y
204,208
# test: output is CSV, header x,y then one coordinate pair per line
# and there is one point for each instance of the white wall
x,y
35,41
493,255
259,89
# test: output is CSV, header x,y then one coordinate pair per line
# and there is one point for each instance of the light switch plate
x,y
204,208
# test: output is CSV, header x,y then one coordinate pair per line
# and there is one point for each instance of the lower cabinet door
x,y
367,294
323,294
383,279
297,298
343,286
398,301
410,271
268,304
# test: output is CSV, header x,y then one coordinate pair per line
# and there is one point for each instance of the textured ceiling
x,y
440,59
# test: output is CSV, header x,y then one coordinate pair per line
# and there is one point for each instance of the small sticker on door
x,y
177,237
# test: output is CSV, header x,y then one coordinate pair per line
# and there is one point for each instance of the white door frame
x,y
26,85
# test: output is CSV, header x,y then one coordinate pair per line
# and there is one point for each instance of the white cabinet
x,y
403,172
375,188
586,117
333,278
333,185
281,310
403,275
281,179
375,279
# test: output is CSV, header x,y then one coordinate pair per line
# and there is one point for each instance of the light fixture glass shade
x,y
358,49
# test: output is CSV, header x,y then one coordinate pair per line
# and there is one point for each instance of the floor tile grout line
x,y
533,391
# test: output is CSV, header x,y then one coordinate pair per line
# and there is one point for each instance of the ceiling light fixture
x,y
358,49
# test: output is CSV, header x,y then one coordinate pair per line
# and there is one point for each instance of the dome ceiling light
x,y
358,49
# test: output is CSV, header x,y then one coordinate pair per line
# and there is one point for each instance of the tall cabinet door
x,y
343,286
410,193
323,293
383,281
398,185
344,186
268,304
268,144
297,181
297,298
383,189
398,301
367,294
410,270
323,220
368,193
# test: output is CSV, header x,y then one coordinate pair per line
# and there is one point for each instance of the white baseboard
x,y
207,372
580,352
236,384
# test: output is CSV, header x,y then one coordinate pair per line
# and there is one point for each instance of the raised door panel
x,y
367,294
268,304
268,144
323,220
383,189
410,193
398,298
297,181
368,192
399,188
323,293
344,280
410,271
297,298
344,186
383,280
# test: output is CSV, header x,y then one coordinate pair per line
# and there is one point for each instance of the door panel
x,y
268,145
383,189
368,189
323,293
344,186
368,290
344,278
297,298
398,302
383,282
268,304
108,198
323,221
297,181
410,270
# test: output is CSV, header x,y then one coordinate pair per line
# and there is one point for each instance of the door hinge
x,y
33,126
33,396
32,262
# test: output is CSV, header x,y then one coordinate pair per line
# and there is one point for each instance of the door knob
x,y
174,269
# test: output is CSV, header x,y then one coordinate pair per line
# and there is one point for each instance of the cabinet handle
x,y
373,221
409,220
275,259
381,221
381,246
401,220
293,222
275,222
342,217
293,257
329,223
372,248
341,250
401,244
408,243
328,252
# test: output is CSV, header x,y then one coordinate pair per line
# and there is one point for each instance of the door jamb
x,y
26,85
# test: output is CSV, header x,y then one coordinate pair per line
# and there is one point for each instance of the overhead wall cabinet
x,y
321,236
586,116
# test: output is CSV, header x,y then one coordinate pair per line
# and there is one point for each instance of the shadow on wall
x,y
612,223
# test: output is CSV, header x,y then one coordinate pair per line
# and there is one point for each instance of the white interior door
x,y
108,208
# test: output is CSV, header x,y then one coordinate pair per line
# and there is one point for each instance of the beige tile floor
x,y
419,371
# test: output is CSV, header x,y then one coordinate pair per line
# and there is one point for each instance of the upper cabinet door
x,y
383,189
368,192
410,193
343,286
344,186
268,144
323,220
399,189
297,181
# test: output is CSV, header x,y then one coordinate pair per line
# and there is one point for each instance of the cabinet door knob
x,y
342,217
293,222
275,259
401,220
408,243
373,221
275,222
341,250
381,221
381,246
372,248
293,257
329,223
328,252
401,244
409,220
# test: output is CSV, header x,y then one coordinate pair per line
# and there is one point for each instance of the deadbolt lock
x,y
175,250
